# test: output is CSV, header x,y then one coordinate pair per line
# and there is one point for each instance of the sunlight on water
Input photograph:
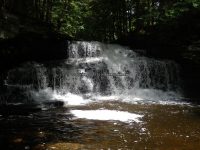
x,y
107,115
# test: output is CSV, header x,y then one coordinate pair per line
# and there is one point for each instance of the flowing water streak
x,y
96,72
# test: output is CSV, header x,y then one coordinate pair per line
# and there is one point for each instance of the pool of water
x,y
105,125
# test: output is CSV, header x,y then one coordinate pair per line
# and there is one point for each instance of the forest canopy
x,y
104,20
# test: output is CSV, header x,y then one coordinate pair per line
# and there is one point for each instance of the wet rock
x,y
54,103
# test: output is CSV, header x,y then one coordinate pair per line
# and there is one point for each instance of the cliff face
x,y
25,39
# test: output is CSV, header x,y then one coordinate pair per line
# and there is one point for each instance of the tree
x,y
105,20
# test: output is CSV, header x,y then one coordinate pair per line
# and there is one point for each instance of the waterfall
x,y
95,72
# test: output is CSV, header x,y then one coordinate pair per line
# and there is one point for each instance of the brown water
x,y
163,127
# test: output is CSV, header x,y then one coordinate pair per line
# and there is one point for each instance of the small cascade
x,y
95,71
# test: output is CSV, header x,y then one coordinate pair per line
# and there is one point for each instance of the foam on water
x,y
71,99
114,115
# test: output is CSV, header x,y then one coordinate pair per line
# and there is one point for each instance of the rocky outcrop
x,y
190,71
9,25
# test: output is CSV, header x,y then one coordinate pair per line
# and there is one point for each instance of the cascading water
x,y
95,72
128,101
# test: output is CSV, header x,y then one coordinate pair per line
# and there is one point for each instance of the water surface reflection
x,y
160,127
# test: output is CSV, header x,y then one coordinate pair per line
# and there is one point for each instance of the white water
x,y
96,72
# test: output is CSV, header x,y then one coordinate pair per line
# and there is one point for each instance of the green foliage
x,y
105,20
68,16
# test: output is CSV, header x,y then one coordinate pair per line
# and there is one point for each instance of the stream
x,y
102,96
